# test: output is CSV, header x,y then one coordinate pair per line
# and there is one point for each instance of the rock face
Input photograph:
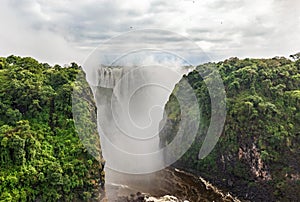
x,y
257,156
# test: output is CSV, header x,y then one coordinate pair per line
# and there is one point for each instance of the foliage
x,y
257,154
41,155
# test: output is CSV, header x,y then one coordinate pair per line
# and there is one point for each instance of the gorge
x,y
256,157
51,150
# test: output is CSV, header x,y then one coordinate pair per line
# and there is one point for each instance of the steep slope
x,y
41,155
257,156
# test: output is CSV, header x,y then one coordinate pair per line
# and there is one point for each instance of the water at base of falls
x,y
180,185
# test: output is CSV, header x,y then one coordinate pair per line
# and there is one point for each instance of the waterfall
x,y
108,76
130,102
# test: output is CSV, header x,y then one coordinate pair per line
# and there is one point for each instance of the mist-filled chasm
x,y
130,102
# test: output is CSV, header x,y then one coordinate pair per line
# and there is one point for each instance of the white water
x,y
130,102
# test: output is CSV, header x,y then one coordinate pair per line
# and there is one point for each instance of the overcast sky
x,y
62,31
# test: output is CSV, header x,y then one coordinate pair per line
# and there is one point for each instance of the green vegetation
x,y
41,155
257,156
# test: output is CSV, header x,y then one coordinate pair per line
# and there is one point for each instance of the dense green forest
x,y
257,156
44,157
41,155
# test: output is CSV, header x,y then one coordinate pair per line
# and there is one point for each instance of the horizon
x,y
187,65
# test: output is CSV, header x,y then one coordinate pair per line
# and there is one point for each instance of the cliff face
x,y
43,156
257,156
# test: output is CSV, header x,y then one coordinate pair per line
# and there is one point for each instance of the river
x,y
170,181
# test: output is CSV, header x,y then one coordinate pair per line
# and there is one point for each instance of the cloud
x,y
64,31
26,37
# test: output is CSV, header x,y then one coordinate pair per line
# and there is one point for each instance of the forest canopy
x,y
41,155
257,155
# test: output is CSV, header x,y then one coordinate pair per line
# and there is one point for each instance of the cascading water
x,y
130,102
